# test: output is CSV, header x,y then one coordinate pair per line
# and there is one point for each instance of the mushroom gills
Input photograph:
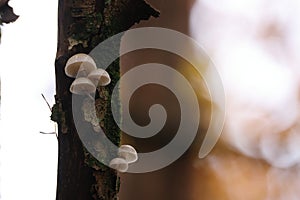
x,y
119,164
99,77
128,153
80,65
82,86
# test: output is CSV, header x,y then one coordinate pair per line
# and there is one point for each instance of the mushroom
x,y
83,86
119,164
80,65
128,153
99,77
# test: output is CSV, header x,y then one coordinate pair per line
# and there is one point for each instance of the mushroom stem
x,y
82,73
90,96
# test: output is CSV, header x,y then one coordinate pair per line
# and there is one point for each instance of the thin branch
x,y
47,102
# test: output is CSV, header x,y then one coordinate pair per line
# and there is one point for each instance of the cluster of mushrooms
x,y
88,77
127,155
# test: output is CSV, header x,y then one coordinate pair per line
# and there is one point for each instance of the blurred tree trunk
x,y
176,181
87,23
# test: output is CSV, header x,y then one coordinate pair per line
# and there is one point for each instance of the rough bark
x,y
82,25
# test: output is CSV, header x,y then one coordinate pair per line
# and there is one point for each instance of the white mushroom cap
x,y
82,86
99,77
119,164
128,153
80,64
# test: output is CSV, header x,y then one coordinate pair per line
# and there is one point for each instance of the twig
x,y
46,102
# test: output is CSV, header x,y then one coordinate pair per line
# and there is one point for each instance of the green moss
x,y
58,115
86,29
92,162
109,122
107,2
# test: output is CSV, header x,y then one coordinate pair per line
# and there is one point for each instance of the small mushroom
x,y
80,65
119,164
99,77
83,86
128,153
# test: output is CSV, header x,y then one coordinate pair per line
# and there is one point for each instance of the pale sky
x,y
27,54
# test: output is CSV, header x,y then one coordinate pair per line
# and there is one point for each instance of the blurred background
x,y
254,46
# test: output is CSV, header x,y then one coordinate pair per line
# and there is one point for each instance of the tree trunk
x,y
82,25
